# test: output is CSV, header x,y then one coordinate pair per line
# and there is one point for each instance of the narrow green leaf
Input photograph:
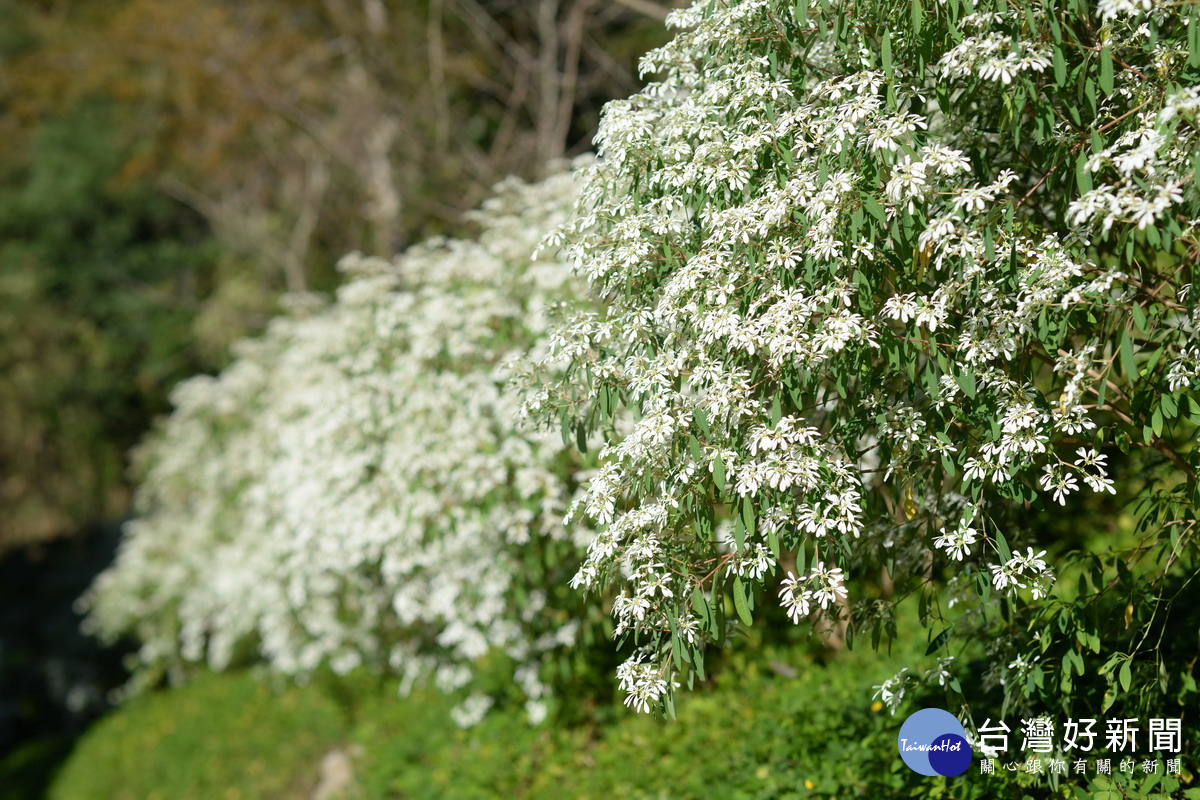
x,y
566,430
1060,67
966,382
1128,365
1170,408
1002,547
740,601
937,642
676,649
1139,317
1106,70
1124,676
874,208
702,610
747,515
719,473
1194,40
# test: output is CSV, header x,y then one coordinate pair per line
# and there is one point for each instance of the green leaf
x,y
1002,547
741,601
566,429
719,473
886,55
676,646
1169,408
937,641
918,15
1194,41
1060,67
966,382
874,208
1106,70
746,515
1124,676
1083,178
1139,317
702,610
1128,366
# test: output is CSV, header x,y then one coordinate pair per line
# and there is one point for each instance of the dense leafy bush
x,y
353,488
882,277
803,728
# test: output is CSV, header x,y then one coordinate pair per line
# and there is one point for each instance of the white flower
x,y
891,691
643,685
827,584
795,598
359,470
957,543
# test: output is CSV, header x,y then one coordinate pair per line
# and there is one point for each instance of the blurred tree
x,y
307,128
99,281
281,134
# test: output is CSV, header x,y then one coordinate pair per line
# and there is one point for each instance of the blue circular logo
x,y
933,742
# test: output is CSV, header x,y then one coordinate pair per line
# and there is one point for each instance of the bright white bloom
x,y
892,691
957,543
794,240
795,598
354,488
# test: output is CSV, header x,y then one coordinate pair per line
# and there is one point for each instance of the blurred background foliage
x,y
168,171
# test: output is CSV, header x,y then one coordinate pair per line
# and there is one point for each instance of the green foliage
x,y
778,722
223,736
99,284
883,282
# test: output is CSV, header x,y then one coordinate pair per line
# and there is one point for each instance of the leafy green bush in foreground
x,y
224,736
778,722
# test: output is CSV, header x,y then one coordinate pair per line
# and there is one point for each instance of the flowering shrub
x,y
881,277
353,488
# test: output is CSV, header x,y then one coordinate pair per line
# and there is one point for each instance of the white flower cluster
x,y
834,302
1020,569
642,683
354,489
822,586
